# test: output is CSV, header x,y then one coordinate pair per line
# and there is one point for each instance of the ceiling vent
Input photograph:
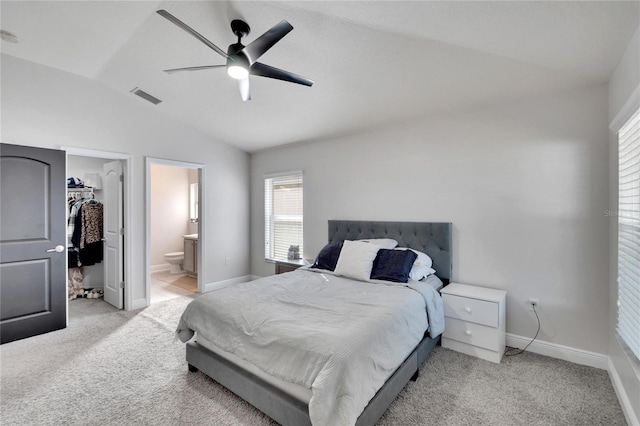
x,y
144,95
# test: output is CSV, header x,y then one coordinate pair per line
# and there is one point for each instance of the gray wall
x,y
624,87
525,185
49,108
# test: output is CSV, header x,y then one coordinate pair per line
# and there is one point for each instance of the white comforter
x,y
338,337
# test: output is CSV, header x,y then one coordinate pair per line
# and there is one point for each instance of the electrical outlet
x,y
534,302
227,261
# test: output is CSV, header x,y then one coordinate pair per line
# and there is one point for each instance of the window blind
x,y
629,233
283,209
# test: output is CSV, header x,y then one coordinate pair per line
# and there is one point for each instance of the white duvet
x,y
338,337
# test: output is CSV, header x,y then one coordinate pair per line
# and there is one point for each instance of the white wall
x,y
524,184
624,98
50,108
169,210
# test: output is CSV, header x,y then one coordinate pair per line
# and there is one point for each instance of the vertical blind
x,y
629,233
283,213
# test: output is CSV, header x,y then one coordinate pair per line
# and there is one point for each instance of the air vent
x,y
144,95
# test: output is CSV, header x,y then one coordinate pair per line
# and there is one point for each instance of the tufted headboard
x,y
432,238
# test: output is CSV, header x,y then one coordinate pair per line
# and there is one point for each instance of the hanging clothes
x,y
91,247
84,230
84,237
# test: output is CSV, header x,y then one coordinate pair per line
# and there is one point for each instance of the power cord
x,y
508,351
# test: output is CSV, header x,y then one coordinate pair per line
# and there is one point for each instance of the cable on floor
x,y
509,352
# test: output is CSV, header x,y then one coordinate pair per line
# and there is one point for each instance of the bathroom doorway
x,y
175,229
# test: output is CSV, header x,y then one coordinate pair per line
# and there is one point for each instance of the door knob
x,y
57,249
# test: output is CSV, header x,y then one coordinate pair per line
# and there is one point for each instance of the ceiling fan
x,y
241,59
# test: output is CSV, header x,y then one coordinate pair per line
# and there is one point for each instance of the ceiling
x,y
373,63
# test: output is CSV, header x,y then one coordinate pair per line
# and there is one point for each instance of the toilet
x,y
175,260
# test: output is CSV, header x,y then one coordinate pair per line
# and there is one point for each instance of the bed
x,y
242,366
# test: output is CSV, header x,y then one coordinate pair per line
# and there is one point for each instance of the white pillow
x,y
423,259
356,260
385,243
418,272
421,266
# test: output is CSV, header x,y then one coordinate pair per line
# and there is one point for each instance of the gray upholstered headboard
x,y
432,238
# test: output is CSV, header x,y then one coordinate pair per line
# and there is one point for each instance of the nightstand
x,y
474,320
283,266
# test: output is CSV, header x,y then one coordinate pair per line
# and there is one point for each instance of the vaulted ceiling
x,y
373,63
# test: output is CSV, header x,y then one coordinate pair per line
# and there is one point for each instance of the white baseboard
x,y
623,398
160,268
138,304
225,283
553,350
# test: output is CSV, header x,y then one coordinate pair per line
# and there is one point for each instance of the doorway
x,y
106,174
175,228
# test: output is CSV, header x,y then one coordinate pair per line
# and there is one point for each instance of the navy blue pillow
x,y
328,257
393,265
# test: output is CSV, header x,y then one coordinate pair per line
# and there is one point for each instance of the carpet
x,y
111,367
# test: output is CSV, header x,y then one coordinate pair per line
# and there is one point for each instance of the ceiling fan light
x,y
237,72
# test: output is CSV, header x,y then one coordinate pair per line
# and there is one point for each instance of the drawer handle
x,y
467,310
468,332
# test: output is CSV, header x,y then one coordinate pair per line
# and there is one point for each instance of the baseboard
x,y
160,268
225,283
623,398
138,304
553,350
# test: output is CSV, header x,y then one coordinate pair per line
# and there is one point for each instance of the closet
x,y
89,262
84,235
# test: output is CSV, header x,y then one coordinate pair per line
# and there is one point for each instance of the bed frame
x,y
428,237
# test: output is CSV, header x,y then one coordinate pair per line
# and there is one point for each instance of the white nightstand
x,y
474,320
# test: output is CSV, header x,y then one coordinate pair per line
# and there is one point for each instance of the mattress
x,y
300,391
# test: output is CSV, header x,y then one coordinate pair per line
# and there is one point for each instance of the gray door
x,y
33,275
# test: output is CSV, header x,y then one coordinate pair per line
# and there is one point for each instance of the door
x,y
33,255
113,234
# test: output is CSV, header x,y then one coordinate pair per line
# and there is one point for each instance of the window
x,y
282,214
629,233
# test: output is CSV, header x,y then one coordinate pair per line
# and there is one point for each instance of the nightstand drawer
x,y
473,310
473,334
288,266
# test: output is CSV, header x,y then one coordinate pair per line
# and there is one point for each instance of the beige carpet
x,y
186,282
115,368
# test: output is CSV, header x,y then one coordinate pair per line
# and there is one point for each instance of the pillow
x,y
393,265
386,243
356,260
423,259
418,272
328,257
421,266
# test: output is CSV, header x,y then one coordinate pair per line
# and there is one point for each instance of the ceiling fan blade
x,y
203,67
191,31
263,70
256,48
243,86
